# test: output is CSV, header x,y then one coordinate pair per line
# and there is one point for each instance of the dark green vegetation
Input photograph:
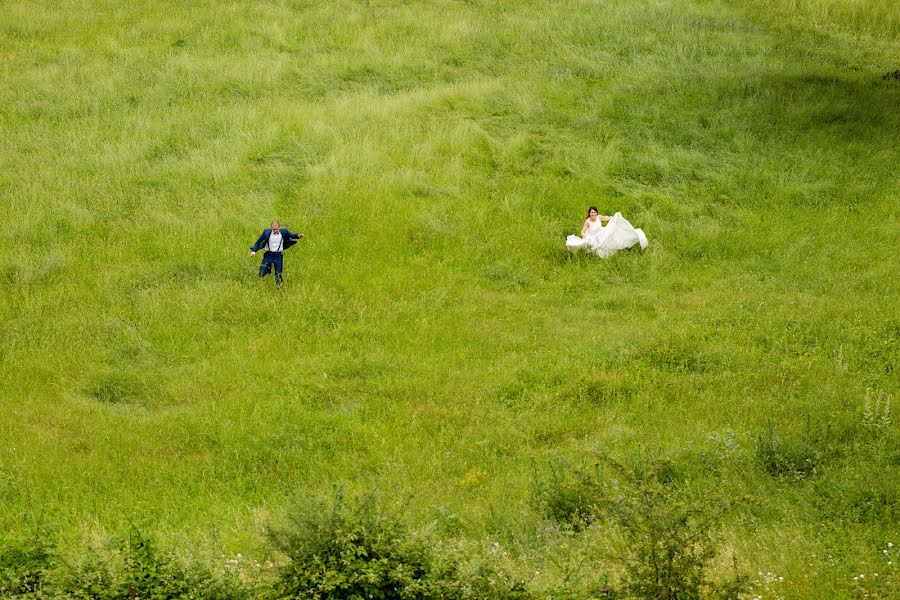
x,y
355,550
434,340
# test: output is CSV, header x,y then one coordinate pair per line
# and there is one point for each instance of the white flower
x,y
890,545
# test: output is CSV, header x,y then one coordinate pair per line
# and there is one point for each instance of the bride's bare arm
x,y
602,218
585,227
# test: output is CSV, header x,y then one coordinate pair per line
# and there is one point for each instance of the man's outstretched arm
x,y
259,243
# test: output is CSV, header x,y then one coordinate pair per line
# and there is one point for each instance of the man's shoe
x,y
278,281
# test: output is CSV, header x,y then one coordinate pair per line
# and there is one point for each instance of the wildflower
x,y
890,545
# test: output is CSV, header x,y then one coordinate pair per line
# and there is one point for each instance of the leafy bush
x,y
668,538
352,549
24,564
137,569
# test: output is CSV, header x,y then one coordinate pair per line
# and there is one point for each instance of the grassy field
x,y
434,339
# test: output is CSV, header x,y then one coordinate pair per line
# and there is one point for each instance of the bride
x,y
605,241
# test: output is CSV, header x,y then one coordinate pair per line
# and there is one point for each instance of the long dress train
x,y
618,234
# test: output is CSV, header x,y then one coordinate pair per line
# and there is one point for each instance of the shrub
x,y
668,539
24,564
137,569
352,549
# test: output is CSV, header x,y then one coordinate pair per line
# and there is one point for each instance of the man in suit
x,y
275,240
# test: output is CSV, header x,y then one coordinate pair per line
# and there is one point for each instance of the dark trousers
x,y
270,259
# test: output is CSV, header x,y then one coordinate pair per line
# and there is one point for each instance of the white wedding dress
x,y
606,241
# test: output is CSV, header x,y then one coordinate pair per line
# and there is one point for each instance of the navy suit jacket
x,y
290,239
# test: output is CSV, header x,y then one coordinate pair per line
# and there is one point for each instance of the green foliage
x,y
24,564
667,535
437,337
136,568
794,455
861,488
863,492
735,588
568,496
669,538
880,576
877,410
352,550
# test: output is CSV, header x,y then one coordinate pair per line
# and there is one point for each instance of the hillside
x,y
434,340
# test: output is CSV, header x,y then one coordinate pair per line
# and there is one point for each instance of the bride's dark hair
x,y
594,208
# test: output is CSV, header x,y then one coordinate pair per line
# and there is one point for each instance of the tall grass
x,y
434,339
877,18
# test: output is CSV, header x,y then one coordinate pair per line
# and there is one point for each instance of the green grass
x,y
435,340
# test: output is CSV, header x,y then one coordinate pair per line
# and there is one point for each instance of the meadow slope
x,y
434,339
